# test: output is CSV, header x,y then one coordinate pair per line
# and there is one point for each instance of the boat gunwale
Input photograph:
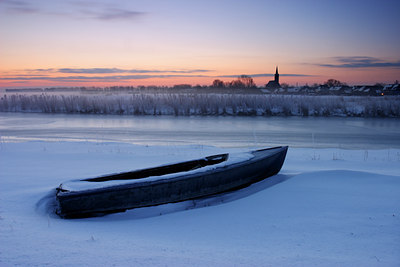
x,y
136,184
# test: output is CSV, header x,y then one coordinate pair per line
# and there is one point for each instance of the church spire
x,y
274,84
277,75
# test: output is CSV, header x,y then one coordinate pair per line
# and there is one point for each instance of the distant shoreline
x,y
342,90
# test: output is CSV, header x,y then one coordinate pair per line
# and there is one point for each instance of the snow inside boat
x,y
167,184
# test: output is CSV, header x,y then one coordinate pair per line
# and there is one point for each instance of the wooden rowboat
x,y
166,184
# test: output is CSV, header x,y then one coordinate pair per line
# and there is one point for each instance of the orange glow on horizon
x,y
49,77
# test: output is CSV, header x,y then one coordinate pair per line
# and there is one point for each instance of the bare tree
x,y
218,84
285,85
247,81
334,83
236,84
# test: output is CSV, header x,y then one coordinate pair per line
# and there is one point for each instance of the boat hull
x,y
95,202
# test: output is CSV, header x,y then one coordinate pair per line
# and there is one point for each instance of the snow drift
x,y
329,207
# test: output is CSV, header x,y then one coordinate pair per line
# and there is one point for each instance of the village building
x,y
273,84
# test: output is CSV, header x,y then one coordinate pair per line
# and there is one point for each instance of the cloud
x,y
91,70
19,7
116,14
81,78
73,9
119,75
117,70
121,78
361,62
265,75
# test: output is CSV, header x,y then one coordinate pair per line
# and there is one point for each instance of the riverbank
x,y
194,104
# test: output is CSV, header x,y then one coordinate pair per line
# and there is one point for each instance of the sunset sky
x,y
165,42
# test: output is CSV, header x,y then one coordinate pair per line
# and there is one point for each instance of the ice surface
x,y
316,132
327,207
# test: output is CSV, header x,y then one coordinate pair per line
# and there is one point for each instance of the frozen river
x,y
348,133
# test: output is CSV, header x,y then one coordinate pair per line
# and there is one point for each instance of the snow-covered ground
x,y
327,207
